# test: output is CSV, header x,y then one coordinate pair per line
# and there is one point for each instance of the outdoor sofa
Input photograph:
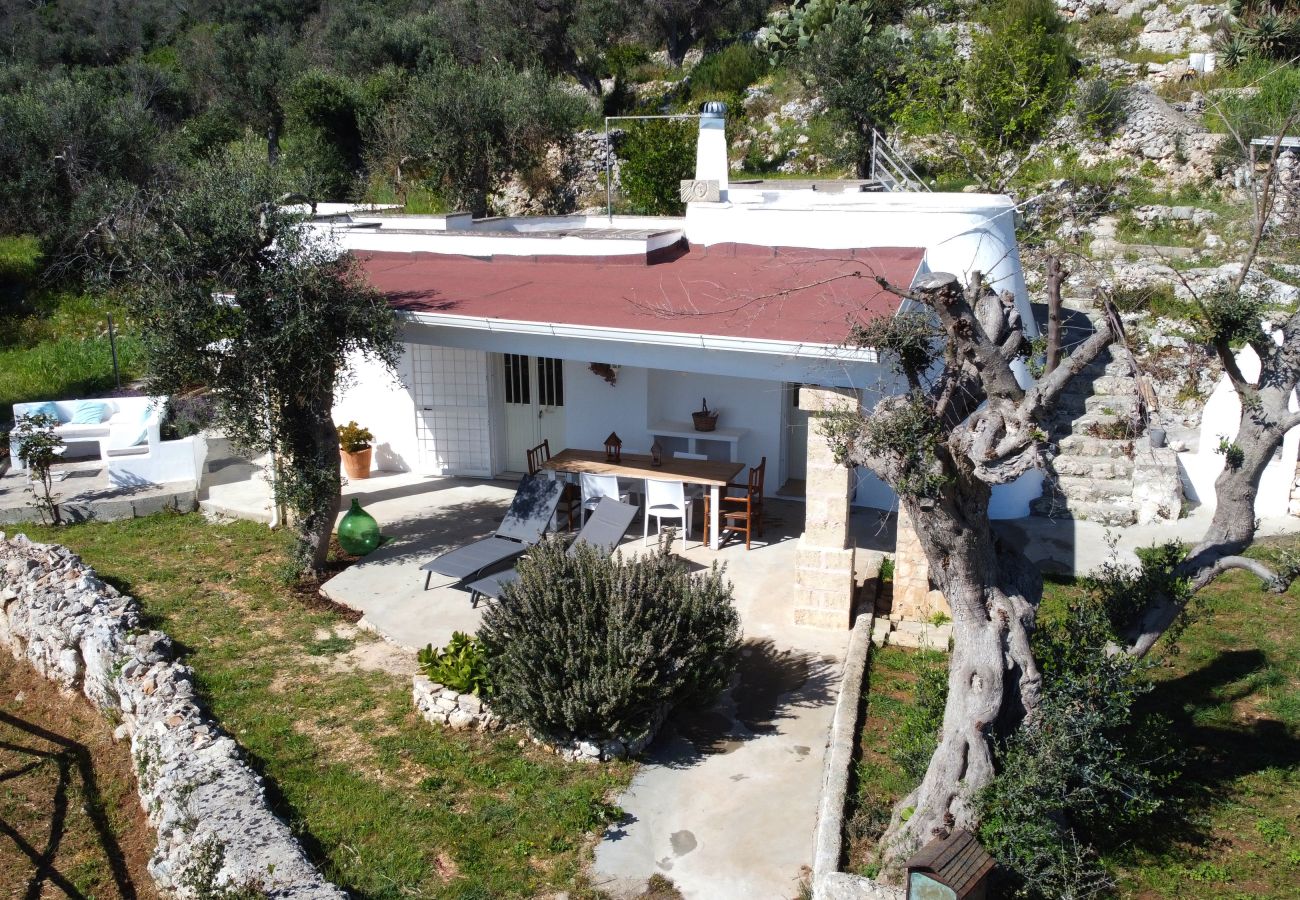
x,y
110,423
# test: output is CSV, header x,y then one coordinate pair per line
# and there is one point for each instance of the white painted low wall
x,y
1221,418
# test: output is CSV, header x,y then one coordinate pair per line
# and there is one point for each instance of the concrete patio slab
x,y
726,801
83,493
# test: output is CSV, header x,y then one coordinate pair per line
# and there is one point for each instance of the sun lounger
x,y
606,527
524,524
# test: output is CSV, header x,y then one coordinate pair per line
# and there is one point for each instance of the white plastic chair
x,y
693,491
666,500
596,486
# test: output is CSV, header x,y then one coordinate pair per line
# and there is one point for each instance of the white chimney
x,y
711,149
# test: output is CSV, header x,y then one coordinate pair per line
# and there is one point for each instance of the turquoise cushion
x,y
47,408
89,412
144,432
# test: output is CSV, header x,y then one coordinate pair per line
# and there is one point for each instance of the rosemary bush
x,y
589,646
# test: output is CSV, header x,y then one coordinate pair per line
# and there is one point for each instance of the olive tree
x,y
234,293
855,65
965,424
466,129
1231,316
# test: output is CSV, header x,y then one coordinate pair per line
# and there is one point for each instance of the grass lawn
x,y
70,823
879,781
55,346
388,805
1232,692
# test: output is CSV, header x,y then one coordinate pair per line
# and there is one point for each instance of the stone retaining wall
x,y
440,705
208,807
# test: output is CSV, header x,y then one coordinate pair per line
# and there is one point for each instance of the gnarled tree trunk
x,y
993,681
942,449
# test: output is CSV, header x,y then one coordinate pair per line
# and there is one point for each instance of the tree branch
x,y
1272,580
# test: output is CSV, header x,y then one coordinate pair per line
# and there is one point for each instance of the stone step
x,y
1118,405
1085,425
1114,385
1090,490
1093,466
1105,365
1087,445
1104,513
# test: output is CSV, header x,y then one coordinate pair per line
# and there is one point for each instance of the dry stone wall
x,y
215,829
447,708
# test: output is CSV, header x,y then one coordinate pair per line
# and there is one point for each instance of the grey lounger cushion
x,y
608,523
471,559
524,524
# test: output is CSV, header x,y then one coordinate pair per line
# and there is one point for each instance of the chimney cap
x,y
713,109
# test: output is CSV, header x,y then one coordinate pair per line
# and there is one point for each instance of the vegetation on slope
x,y
388,806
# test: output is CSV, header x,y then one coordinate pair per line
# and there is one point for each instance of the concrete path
x,y
422,517
726,802
1077,547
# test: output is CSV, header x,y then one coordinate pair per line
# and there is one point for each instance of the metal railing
x,y
889,169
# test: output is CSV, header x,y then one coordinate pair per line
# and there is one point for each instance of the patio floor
x,y
83,493
726,802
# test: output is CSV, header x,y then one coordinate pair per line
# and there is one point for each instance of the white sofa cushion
x,y
82,432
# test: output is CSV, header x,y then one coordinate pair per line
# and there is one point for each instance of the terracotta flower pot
x,y
357,464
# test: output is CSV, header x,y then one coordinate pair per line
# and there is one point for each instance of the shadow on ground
x,y
22,753
1216,756
770,684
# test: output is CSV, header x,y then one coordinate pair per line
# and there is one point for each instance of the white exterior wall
x,y
1221,418
382,401
749,403
593,408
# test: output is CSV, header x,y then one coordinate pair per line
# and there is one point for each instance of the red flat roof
x,y
783,294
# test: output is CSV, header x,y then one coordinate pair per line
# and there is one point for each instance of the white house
x,y
568,328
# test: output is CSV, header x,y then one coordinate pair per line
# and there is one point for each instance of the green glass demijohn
x,y
358,531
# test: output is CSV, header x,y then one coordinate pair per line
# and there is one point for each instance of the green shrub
x,y
1019,71
620,59
1109,30
1084,772
597,647
656,157
462,665
1099,107
727,72
998,100
187,416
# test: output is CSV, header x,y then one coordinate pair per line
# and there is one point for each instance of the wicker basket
x,y
705,421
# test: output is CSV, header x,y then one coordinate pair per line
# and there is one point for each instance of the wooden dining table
x,y
712,474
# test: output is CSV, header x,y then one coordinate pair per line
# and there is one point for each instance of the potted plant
x,y
354,445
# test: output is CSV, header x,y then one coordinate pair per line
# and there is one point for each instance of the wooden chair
x,y
742,514
570,499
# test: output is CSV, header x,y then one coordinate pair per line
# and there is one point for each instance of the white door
x,y
796,423
534,406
